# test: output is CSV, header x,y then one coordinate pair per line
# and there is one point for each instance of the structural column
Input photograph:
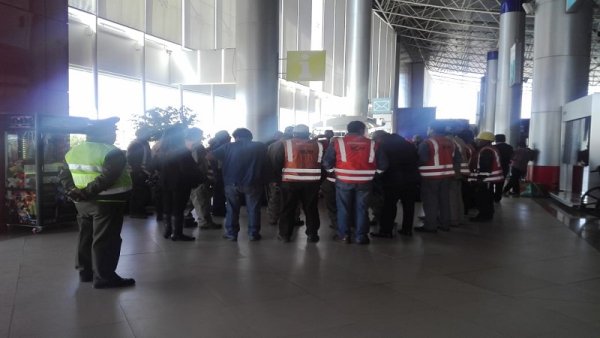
x,y
510,70
491,80
561,68
358,41
257,40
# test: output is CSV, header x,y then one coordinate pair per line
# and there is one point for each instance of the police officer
x,y
487,173
98,182
355,160
299,160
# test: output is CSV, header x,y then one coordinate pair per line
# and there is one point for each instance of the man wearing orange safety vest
x,y
461,174
299,160
437,158
355,160
487,173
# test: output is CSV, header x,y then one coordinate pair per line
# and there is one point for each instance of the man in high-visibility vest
x,y
299,160
98,182
487,173
437,155
355,160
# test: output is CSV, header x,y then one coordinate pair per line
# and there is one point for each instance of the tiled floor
x,y
525,275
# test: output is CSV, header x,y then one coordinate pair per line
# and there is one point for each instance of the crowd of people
x,y
361,180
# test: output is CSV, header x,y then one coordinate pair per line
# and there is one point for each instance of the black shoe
x,y
230,238
363,241
211,226
284,239
405,232
444,228
190,223
255,238
299,223
182,238
140,216
345,239
382,234
424,229
480,219
312,238
86,276
167,232
118,282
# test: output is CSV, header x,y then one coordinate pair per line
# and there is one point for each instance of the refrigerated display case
x,y
35,146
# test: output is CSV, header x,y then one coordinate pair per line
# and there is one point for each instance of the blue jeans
x,y
252,196
353,209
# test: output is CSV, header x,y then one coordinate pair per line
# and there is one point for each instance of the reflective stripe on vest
x,y
437,166
85,162
356,167
464,161
302,166
496,174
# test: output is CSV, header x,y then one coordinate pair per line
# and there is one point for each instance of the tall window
x,y
81,93
122,97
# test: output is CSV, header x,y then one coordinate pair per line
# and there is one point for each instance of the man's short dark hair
x,y
356,127
242,133
193,134
500,138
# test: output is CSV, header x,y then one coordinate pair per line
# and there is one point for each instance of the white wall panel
x,y
200,24
118,54
126,12
164,19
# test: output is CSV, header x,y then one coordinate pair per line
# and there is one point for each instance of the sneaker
x,y
345,239
230,238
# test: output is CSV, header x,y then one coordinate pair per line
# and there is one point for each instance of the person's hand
x,y
76,195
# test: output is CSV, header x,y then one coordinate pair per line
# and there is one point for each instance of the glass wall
x,y
141,54
128,56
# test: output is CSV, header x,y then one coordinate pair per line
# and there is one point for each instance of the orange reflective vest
x,y
496,173
302,160
440,162
355,159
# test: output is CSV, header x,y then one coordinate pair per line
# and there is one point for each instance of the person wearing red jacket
x,y
355,160
437,158
487,173
299,161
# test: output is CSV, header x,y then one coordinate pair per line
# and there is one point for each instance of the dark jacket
x,y
403,161
178,171
506,154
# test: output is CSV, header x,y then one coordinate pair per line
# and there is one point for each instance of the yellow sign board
x,y
306,65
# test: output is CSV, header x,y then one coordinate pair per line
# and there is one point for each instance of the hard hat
x,y
486,136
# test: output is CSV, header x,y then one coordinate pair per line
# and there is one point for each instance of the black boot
x,y
178,230
168,230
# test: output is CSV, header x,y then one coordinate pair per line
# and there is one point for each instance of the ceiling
x,y
453,36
